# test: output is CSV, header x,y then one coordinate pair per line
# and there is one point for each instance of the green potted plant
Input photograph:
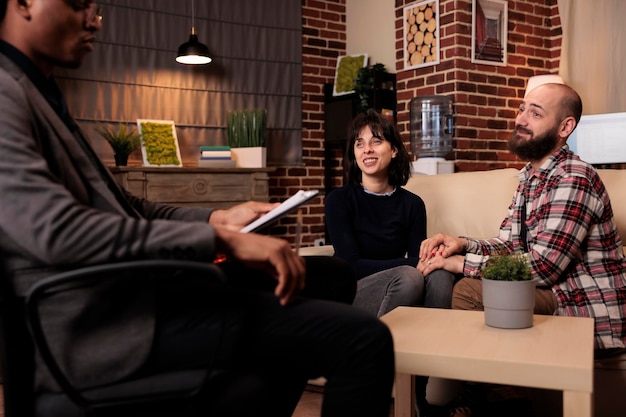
x,y
508,291
246,131
122,139
364,85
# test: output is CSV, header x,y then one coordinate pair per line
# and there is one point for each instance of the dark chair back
x,y
16,352
167,394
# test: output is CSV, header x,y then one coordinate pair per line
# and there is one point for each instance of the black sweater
x,y
373,232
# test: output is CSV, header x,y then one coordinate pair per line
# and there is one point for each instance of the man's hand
x,y
443,245
236,217
269,254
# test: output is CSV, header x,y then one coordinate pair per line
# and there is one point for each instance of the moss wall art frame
x,y
159,143
346,72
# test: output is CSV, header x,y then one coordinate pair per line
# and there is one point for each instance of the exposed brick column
x,y
485,96
323,40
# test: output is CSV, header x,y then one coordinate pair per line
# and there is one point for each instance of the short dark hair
x,y
400,166
3,9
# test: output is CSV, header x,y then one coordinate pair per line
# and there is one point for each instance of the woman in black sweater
x,y
378,226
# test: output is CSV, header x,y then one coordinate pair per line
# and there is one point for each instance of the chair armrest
x,y
106,271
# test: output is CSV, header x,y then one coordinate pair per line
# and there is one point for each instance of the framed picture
x,y
489,31
421,34
159,144
346,72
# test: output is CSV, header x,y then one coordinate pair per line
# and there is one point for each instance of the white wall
x,y
593,54
370,28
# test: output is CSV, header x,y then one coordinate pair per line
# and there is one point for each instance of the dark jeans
x,y
269,351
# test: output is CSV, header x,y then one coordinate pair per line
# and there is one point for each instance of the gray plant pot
x,y
509,304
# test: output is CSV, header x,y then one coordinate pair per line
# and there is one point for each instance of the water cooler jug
x,y
432,132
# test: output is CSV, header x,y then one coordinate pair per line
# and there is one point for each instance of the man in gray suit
x,y
61,209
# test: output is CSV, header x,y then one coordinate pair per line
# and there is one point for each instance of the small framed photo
x,y
489,31
159,143
346,72
421,34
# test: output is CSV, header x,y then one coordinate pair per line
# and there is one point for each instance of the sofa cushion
x,y
466,203
615,182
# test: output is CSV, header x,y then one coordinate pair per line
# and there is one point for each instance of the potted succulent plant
x,y
508,291
123,140
246,137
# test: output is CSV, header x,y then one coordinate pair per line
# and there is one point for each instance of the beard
x,y
533,148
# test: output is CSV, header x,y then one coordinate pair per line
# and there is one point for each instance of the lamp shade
x,y
193,52
537,80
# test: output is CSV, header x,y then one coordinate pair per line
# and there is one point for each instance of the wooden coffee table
x,y
556,353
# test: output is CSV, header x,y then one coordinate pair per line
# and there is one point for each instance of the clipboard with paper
x,y
287,206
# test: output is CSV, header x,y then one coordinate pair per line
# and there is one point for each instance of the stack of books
x,y
216,157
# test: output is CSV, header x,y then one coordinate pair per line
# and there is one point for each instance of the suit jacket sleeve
x,y
47,214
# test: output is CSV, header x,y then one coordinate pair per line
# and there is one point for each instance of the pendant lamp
x,y
193,52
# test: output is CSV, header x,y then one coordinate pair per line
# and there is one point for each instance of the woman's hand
x,y
453,264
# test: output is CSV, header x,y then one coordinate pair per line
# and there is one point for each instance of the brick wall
x,y
485,96
323,40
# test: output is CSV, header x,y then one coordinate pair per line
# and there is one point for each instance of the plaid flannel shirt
x,y
573,242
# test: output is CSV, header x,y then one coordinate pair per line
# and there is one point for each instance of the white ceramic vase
x,y
252,157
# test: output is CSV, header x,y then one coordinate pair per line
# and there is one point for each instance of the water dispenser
x,y
432,132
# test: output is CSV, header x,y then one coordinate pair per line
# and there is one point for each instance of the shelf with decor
x,y
195,186
340,110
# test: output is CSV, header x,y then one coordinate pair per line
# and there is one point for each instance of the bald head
x,y
566,98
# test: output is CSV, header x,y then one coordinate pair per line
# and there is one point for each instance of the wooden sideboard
x,y
208,187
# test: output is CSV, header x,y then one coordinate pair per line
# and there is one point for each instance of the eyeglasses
x,y
92,9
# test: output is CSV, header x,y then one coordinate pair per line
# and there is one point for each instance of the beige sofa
x,y
474,204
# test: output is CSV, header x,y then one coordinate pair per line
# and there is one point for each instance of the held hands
x,y
442,252
444,245
452,264
236,217
269,254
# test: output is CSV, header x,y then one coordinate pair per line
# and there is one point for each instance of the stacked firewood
x,y
420,28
